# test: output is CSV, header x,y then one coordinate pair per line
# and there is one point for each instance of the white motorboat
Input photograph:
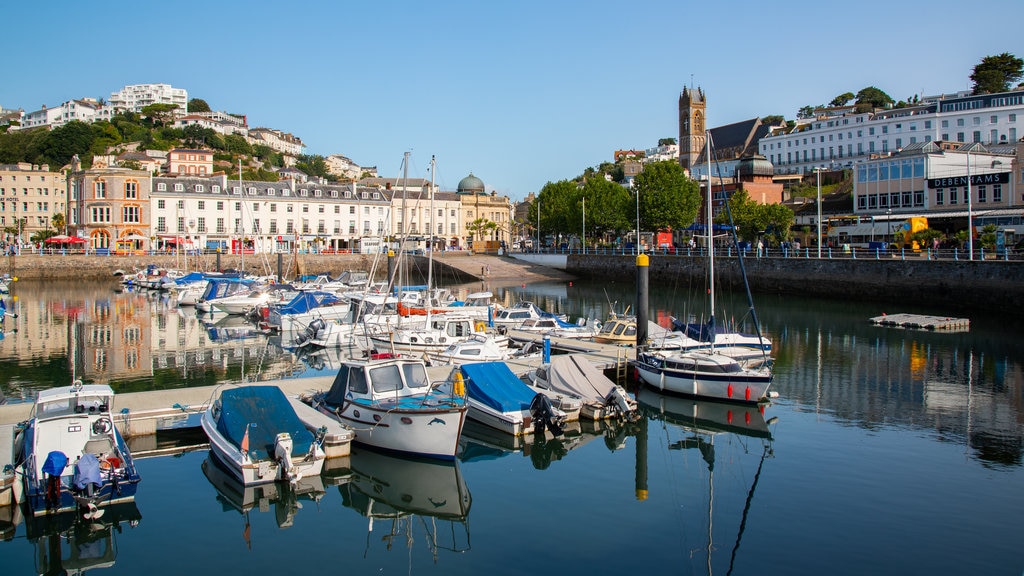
x,y
257,436
391,404
499,399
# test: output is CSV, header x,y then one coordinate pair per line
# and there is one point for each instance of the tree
x,y
773,119
666,141
667,198
841,100
65,141
870,98
608,208
558,202
997,73
196,135
805,111
160,114
198,105
313,165
481,227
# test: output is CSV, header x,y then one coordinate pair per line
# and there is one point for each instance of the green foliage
x,y
608,206
481,227
58,222
806,111
752,220
870,98
314,165
557,201
160,114
773,119
198,105
997,73
65,141
841,100
237,144
666,141
667,197
987,237
195,136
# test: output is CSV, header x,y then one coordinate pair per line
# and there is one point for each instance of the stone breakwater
x,y
953,285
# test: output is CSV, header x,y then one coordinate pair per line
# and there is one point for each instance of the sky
x,y
518,93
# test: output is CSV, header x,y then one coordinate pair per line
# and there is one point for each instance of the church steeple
x,y
692,138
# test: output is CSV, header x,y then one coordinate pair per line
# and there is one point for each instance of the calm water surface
x,y
888,451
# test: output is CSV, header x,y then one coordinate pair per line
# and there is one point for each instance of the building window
x,y
215,189
161,204
940,195
982,194
100,214
202,205
220,226
179,187
161,224
200,188
131,214
201,225
100,188
997,192
161,187
952,196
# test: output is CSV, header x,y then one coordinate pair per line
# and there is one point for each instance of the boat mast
x,y
241,215
711,240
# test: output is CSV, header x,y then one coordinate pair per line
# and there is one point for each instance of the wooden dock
x,y
923,322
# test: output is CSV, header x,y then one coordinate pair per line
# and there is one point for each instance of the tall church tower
x,y
692,139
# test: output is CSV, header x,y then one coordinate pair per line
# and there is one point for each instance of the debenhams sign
x,y
976,180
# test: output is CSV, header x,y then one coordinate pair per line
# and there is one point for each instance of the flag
x,y
245,441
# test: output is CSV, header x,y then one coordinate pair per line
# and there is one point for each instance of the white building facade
x,y
135,97
835,142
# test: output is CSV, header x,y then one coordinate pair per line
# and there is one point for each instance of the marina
x,y
802,485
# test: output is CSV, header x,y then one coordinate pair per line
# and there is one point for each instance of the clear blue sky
x,y
520,93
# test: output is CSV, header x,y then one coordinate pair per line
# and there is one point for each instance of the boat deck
x,y
924,322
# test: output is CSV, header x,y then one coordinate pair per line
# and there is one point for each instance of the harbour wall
x,y
953,285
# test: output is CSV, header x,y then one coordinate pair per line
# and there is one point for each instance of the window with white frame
x,y
100,189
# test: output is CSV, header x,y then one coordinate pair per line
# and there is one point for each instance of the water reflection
x,y
71,544
733,441
286,499
409,497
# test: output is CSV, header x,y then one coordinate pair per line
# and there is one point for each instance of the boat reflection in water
x,y
410,494
69,543
701,425
481,442
286,498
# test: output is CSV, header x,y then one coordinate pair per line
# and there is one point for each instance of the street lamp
x,y
888,226
818,171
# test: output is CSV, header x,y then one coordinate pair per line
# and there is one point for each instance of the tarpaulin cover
x,y
87,471
494,384
308,300
55,463
267,412
575,375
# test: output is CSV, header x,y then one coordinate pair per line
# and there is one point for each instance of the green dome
x,y
470,185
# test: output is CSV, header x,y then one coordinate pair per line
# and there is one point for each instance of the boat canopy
x,y
577,375
266,412
494,384
307,300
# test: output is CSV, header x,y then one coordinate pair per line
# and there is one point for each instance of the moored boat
x,y
73,455
391,404
257,436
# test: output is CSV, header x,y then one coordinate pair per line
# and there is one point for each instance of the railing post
x,y
956,253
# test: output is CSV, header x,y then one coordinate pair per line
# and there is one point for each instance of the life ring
x,y
101,426
480,326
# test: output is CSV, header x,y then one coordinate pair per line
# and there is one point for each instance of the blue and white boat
x,y
499,399
73,455
391,404
256,435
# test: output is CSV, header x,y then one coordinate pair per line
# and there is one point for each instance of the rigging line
x,y
739,253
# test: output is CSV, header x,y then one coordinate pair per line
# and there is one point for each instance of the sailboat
x,y
722,371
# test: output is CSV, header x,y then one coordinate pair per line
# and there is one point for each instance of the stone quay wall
x,y
954,285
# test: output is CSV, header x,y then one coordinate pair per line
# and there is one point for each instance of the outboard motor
x,y
310,331
283,454
618,398
545,416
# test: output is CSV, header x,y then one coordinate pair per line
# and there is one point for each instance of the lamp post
x,y
818,203
888,226
970,212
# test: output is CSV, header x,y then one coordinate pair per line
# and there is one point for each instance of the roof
x,y
734,141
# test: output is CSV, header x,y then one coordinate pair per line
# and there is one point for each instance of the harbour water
x,y
887,451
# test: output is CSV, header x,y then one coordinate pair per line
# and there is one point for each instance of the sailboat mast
x,y
430,236
711,237
241,216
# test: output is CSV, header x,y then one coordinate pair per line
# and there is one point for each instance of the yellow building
x,y
486,217
30,195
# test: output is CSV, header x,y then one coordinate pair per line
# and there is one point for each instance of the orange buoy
x,y
748,393
729,390
746,416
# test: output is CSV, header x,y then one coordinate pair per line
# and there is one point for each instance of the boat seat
x,y
99,447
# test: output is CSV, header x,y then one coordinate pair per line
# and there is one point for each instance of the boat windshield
x,y
415,376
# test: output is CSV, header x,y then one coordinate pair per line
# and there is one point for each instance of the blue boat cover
x,y
55,463
308,300
267,412
87,471
494,384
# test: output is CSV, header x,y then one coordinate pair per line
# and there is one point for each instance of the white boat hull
x,y
434,433
749,386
